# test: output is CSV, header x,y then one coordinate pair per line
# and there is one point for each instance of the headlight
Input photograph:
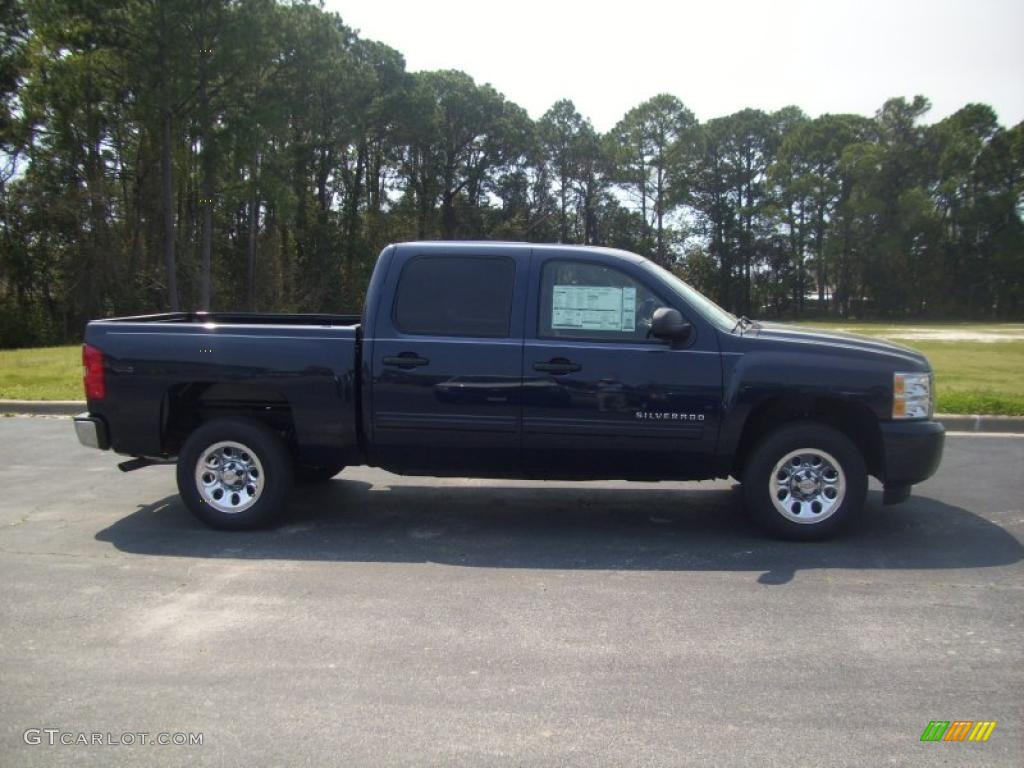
x,y
911,395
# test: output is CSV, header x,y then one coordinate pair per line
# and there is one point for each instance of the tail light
x,y
92,373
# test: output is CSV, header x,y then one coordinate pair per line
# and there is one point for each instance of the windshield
x,y
708,309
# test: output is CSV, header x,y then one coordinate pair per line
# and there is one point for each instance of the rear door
x,y
446,361
600,398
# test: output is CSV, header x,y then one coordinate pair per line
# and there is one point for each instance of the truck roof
x,y
478,245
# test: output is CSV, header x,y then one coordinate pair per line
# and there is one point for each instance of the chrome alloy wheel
x,y
229,477
807,485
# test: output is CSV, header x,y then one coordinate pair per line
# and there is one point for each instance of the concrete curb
x,y
991,424
43,407
952,422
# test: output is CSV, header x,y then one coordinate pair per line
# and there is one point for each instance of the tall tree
x,y
657,144
315,148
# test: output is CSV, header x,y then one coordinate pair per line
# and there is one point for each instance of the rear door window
x,y
455,296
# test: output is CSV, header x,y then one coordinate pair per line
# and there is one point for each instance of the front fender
x,y
757,378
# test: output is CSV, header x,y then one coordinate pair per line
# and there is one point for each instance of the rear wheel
x,y
234,474
805,481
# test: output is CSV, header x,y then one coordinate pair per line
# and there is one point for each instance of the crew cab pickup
x,y
484,359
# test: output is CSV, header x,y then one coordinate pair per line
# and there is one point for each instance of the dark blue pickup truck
x,y
513,360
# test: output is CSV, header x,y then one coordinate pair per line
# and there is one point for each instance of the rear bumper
x,y
92,431
912,451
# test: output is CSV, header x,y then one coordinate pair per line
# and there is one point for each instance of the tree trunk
x,y
254,225
659,213
589,217
206,190
724,260
352,226
563,224
801,281
287,267
448,223
167,205
643,187
822,275
424,205
166,169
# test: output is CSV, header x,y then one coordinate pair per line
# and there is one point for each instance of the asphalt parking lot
x,y
440,622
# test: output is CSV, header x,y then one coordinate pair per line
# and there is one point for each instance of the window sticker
x,y
593,308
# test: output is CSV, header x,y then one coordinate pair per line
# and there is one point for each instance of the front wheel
x,y
234,474
805,481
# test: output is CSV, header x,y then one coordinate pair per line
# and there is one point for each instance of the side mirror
x,y
668,325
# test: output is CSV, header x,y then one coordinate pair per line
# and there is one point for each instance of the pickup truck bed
x,y
167,373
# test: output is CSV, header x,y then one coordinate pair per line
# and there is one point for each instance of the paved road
x,y
442,622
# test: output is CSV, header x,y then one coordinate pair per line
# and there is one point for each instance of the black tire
x,y
760,478
307,475
275,473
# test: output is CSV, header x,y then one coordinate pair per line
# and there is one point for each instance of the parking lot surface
x,y
417,621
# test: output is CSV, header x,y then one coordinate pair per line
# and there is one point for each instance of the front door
x,y
600,398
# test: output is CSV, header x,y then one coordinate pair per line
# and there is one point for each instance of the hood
x,y
836,342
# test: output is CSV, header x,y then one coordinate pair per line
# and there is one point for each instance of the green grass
x,y
46,373
971,376
885,330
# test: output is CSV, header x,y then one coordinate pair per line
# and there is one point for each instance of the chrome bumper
x,y
91,431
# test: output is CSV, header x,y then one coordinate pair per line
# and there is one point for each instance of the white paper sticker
x,y
594,308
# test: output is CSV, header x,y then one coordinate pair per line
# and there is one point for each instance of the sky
x,y
717,56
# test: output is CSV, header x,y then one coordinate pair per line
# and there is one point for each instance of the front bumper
x,y
911,451
92,431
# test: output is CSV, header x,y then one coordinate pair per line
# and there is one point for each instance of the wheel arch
x,y
853,419
187,406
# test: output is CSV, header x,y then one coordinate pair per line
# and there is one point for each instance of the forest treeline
x,y
257,154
